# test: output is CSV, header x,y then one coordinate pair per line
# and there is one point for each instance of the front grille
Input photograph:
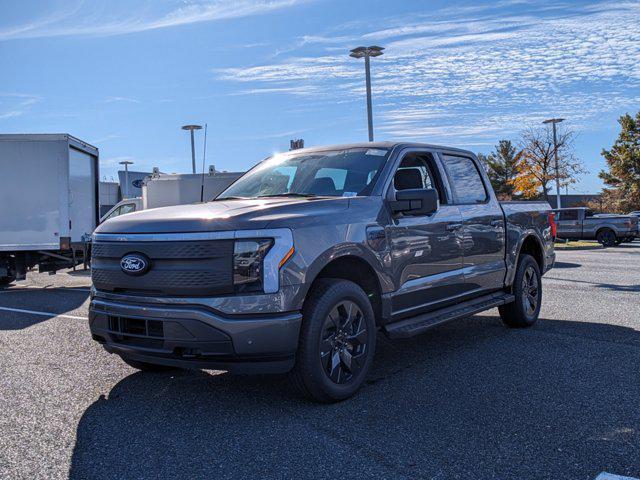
x,y
136,326
181,268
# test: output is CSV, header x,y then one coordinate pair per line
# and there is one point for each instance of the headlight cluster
x,y
248,257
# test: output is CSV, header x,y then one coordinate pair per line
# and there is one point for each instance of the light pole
x,y
553,122
126,164
191,128
366,53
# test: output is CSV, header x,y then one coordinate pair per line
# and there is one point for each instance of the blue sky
x,y
125,76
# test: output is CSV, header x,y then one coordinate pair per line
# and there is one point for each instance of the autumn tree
x,y
502,166
537,167
623,162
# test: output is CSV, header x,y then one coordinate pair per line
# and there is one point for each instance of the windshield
x,y
334,173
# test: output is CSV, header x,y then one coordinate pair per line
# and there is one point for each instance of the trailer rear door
x,y
82,194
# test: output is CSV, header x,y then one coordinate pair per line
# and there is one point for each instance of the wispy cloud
x,y
121,100
16,104
474,73
99,19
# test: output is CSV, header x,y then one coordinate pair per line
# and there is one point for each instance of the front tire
x,y
6,281
527,288
337,342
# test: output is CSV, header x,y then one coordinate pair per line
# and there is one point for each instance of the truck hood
x,y
223,215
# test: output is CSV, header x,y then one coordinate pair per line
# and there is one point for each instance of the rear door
x,y
483,227
426,255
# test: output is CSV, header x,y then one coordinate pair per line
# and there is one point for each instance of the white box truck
x,y
48,202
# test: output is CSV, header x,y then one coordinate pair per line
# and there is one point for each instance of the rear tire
x,y
527,288
337,342
146,367
606,237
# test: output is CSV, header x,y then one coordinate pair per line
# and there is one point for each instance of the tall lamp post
x,y
191,128
367,53
126,164
553,122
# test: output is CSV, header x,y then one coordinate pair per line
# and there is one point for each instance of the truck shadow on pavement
x,y
471,399
48,302
566,265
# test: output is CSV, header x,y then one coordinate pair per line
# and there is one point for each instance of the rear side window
x,y
465,178
570,215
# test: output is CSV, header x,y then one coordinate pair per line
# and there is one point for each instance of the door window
x,y
415,171
115,213
466,182
127,208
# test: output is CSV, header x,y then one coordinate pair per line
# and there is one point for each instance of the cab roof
x,y
386,145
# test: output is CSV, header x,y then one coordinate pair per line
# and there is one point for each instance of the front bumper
x,y
191,336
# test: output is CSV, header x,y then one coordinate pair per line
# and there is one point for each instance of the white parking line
x,y
44,314
35,287
611,476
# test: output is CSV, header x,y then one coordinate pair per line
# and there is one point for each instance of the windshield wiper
x,y
290,194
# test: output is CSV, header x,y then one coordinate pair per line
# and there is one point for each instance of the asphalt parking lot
x,y
469,400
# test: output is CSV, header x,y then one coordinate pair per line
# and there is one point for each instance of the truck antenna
x,y
204,156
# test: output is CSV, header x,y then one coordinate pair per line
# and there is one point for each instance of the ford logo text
x,y
134,264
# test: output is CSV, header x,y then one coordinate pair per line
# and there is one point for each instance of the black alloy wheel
x,y
337,341
527,290
530,290
343,342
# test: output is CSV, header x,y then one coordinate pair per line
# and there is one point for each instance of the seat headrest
x,y
323,186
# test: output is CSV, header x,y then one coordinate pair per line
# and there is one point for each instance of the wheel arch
x,y
606,227
358,270
530,244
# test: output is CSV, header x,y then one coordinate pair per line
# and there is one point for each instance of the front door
x,y
568,223
426,254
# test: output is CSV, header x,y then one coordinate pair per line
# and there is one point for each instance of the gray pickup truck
x,y
301,262
582,223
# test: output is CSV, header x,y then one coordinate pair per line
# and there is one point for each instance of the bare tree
x,y
538,163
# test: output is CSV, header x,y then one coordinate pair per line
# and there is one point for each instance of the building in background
x,y
133,188
109,195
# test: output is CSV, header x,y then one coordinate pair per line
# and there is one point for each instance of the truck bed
x,y
522,217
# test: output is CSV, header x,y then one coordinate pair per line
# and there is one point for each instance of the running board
x,y
421,323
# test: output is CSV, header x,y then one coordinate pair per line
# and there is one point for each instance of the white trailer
x,y
48,202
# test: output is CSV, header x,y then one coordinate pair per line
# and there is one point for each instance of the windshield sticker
x,y
350,194
377,152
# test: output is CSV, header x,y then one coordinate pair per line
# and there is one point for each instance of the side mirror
x,y
416,201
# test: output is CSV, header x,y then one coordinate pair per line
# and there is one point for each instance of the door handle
x,y
452,227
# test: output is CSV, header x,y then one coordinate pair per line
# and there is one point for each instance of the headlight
x,y
248,257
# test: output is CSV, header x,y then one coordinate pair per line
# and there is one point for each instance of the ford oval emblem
x,y
134,264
